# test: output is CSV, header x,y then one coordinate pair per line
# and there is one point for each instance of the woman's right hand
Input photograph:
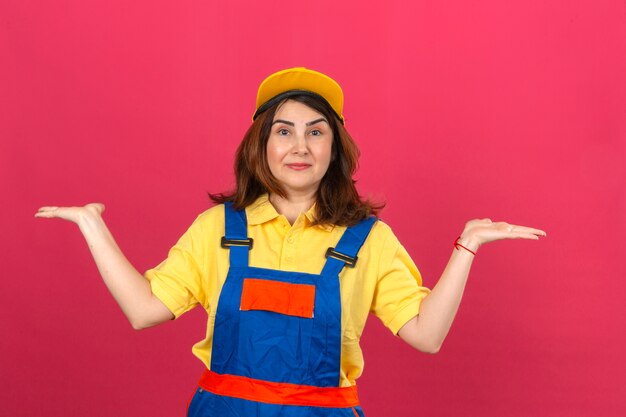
x,y
73,214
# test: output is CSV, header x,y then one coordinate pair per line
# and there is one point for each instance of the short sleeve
x,y
177,281
399,291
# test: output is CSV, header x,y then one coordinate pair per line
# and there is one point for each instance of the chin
x,y
300,187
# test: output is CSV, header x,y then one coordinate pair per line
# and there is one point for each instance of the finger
x,y
516,236
510,228
525,229
48,212
525,236
42,212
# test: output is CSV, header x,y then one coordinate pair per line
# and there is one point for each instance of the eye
x,y
282,132
316,132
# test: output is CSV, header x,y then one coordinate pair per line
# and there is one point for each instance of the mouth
x,y
298,167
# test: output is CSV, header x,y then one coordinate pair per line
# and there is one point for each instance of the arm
x,y
427,331
129,288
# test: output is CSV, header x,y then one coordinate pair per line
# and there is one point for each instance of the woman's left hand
x,y
480,231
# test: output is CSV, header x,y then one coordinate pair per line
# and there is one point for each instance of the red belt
x,y
278,392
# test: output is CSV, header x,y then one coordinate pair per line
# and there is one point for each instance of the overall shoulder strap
x,y
236,238
344,254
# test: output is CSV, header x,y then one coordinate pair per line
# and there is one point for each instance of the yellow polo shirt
x,y
385,281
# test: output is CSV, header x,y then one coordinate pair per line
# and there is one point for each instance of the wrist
x,y
468,241
88,220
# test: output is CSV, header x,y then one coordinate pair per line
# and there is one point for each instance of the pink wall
x,y
510,110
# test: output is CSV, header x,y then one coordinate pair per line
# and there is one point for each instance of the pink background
x,y
510,110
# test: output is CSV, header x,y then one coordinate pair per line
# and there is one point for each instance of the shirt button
x,y
290,240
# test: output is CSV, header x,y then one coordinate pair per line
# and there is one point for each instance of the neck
x,y
293,205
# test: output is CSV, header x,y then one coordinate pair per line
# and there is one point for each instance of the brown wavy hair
x,y
337,200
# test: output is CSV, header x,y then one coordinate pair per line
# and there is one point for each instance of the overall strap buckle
x,y
349,260
345,251
226,243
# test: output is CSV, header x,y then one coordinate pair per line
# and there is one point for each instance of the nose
x,y
300,145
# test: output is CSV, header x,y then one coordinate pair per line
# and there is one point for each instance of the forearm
x,y
129,288
438,309
430,327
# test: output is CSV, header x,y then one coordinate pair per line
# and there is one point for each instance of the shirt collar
x,y
262,211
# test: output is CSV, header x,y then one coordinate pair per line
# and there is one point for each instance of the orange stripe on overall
x,y
278,392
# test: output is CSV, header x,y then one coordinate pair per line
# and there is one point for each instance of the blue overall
x,y
261,345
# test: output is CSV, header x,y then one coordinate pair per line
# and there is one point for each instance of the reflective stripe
x,y
278,392
280,297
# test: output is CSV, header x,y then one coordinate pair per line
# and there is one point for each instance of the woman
x,y
288,266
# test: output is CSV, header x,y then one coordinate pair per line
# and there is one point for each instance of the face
x,y
299,147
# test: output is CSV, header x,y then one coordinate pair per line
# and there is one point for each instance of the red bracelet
x,y
457,244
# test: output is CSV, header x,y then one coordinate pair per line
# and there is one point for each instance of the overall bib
x,y
277,336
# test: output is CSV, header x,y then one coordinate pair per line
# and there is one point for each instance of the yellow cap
x,y
298,80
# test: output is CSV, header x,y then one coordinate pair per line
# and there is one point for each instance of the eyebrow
x,y
321,119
